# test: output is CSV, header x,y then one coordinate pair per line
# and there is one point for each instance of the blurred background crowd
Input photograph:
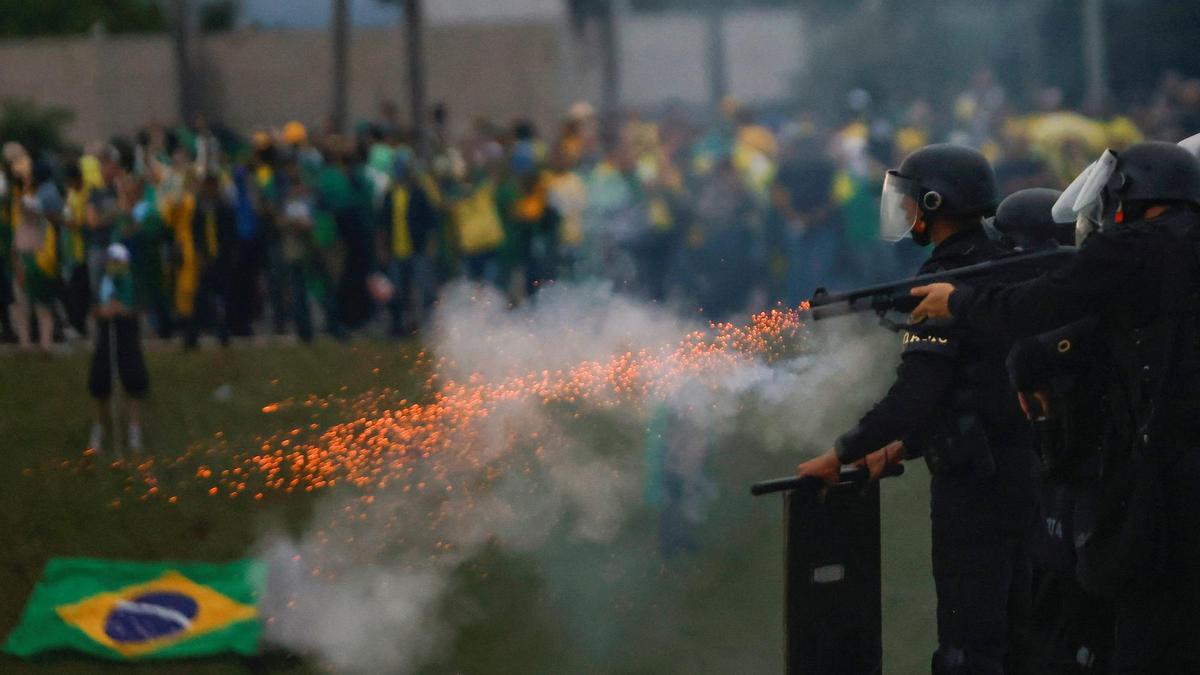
x,y
301,231
720,156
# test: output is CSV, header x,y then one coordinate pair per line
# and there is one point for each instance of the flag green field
x,y
715,611
133,610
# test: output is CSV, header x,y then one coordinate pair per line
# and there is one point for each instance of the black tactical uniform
x,y
1071,629
1140,541
951,400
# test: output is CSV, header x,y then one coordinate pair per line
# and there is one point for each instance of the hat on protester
x,y
118,253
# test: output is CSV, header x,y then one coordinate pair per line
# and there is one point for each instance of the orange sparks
x,y
379,445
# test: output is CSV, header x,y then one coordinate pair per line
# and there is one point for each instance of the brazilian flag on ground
x,y
132,610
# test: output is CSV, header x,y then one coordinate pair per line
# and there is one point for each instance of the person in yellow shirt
x,y
475,218
35,245
567,195
213,241
407,227
755,155
177,205
77,298
532,233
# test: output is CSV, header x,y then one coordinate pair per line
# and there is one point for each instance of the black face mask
x,y
922,238
1124,214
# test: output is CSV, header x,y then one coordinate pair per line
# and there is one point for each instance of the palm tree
x,y
341,73
415,22
604,14
414,47
183,32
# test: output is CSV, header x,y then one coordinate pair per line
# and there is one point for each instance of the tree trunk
x,y
1032,29
1094,56
610,86
718,80
341,75
183,38
415,23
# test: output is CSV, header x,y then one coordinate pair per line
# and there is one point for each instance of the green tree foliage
x,y
37,127
26,18
219,15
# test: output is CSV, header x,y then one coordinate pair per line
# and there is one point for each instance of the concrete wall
x,y
450,11
104,81
116,84
765,53
498,71
665,55
533,67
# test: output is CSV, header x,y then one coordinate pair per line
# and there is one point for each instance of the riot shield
x,y
833,615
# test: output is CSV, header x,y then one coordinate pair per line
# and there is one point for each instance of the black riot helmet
x,y
1157,172
941,180
1025,218
1119,186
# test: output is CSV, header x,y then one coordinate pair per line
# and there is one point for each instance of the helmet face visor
x,y
1063,210
1086,192
1093,188
897,207
1191,144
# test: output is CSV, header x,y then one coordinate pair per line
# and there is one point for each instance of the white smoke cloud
x,y
369,618
364,589
475,331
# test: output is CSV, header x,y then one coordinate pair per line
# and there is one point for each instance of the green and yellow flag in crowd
x,y
131,610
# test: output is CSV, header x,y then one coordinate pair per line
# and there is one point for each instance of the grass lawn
x,y
716,611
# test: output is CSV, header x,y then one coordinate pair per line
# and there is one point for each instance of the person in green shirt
x,y
343,192
141,228
117,343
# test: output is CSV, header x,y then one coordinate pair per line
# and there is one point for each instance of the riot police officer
x,y
1024,220
1057,379
951,402
1138,273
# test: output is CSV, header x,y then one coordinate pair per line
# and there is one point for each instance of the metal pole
x,y
182,30
341,30
415,23
1030,24
1094,55
718,82
610,90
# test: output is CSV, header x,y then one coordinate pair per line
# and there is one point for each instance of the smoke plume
x,y
375,584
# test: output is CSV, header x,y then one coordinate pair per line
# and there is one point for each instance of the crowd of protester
x,y
289,230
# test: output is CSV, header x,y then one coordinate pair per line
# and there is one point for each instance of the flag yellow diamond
x,y
146,617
